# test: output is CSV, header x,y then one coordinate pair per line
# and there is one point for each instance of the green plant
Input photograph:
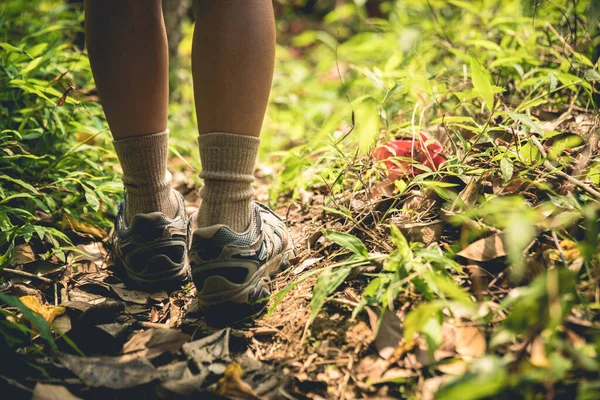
x,y
56,170
496,81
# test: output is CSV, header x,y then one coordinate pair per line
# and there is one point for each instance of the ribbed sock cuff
x,y
145,177
228,162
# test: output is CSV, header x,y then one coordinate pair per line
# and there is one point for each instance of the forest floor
x,y
159,346
439,170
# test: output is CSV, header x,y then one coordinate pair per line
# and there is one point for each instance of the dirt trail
x,y
156,345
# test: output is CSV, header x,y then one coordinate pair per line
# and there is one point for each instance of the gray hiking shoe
x,y
232,271
152,250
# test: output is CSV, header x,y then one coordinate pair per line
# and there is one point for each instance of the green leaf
x,y
366,116
529,153
55,233
349,242
560,145
530,307
527,121
10,48
92,199
16,196
372,288
487,378
326,284
33,64
448,287
400,185
592,75
466,5
482,83
588,390
559,365
7,257
418,318
594,174
19,182
342,211
401,243
507,168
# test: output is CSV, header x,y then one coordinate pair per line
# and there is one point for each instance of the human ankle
x,y
145,177
227,170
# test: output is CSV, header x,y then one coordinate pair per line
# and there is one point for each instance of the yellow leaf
x,y
82,227
45,310
83,136
232,385
569,250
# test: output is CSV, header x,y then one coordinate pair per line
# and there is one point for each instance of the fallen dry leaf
x,y
94,314
47,311
45,268
431,386
426,232
470,342
23,254
154,315
77,294
23,289
309,262
210,353
390,332
468,196
485,249
538,353
129,295
43,391
62,323
183,384
461,344
115,329
175,312
111,372
456,367
152,343
371,367
93,252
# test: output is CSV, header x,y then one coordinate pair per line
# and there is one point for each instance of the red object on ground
x,y
400,155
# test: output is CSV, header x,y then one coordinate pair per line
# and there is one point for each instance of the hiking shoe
x,y
232,271
152,249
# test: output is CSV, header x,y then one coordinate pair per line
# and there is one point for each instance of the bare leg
x,y
127,45
236,244
232,61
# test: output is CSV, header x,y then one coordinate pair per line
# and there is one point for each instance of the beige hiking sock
x,y
145,177
228,171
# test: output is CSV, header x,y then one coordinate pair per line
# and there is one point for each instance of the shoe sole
x,y
171,279
248,301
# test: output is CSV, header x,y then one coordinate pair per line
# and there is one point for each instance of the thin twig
x,y
27,274
344,383
586,155
145,324
560,249
551,168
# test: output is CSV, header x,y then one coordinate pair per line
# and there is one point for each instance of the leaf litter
x,y
430,283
